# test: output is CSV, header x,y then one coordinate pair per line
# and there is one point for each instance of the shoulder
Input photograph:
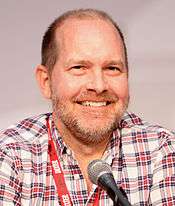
x,y
24,134
23,151
135,123
136,131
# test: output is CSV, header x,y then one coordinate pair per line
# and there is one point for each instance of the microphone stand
x,y
112,190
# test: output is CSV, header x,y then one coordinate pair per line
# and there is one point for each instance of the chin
x,y
95,134
97,125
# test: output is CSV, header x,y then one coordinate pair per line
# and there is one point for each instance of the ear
x,y
43,79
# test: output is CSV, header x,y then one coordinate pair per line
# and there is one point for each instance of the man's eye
x,y
113,68
77,70
77,67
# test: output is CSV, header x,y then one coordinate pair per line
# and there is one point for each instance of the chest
x,y
39,187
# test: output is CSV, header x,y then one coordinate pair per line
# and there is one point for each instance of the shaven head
x,y
50,48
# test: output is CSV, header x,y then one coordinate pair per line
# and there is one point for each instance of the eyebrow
x,y
114,62
87,62
76,61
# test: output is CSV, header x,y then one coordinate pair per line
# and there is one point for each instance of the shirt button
x,y
69,152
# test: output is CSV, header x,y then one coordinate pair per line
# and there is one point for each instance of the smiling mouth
x,y
94,104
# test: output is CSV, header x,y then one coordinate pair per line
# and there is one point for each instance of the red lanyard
x,y
58,174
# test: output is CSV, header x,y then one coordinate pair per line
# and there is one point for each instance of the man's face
x,y
89,83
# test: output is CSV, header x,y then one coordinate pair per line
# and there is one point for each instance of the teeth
x,y
93,104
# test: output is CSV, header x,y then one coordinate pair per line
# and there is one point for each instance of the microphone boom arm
x,y
107,182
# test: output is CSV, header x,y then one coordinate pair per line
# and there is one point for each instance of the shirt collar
x,y
60,144
128,120
113,147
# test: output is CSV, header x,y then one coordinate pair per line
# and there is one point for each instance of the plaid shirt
x,y
142,157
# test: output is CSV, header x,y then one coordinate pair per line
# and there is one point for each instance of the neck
x,y
83,148
89,150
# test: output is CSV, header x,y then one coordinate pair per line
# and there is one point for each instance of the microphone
x,y
100,174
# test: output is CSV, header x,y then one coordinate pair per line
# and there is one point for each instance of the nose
x,y
97,82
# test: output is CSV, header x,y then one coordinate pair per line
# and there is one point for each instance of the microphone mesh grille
x,y
96,168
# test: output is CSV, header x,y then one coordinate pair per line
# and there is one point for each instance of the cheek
x,y
120,87
66,87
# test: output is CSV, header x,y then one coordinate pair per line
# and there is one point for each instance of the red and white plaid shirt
x,y
142,157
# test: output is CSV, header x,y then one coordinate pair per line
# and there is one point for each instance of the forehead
x,y
85,27
89,35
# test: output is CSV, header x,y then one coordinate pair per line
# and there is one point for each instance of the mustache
x,y
92,96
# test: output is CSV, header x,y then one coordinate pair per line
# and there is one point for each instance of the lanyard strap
x,y
58,174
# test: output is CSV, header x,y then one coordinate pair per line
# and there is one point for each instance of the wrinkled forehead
x,y
97,32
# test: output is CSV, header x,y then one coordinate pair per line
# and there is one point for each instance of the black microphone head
x,y
96,168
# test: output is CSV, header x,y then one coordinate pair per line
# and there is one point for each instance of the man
x,y
84,72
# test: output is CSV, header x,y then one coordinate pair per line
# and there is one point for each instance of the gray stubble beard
x,y
85,134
